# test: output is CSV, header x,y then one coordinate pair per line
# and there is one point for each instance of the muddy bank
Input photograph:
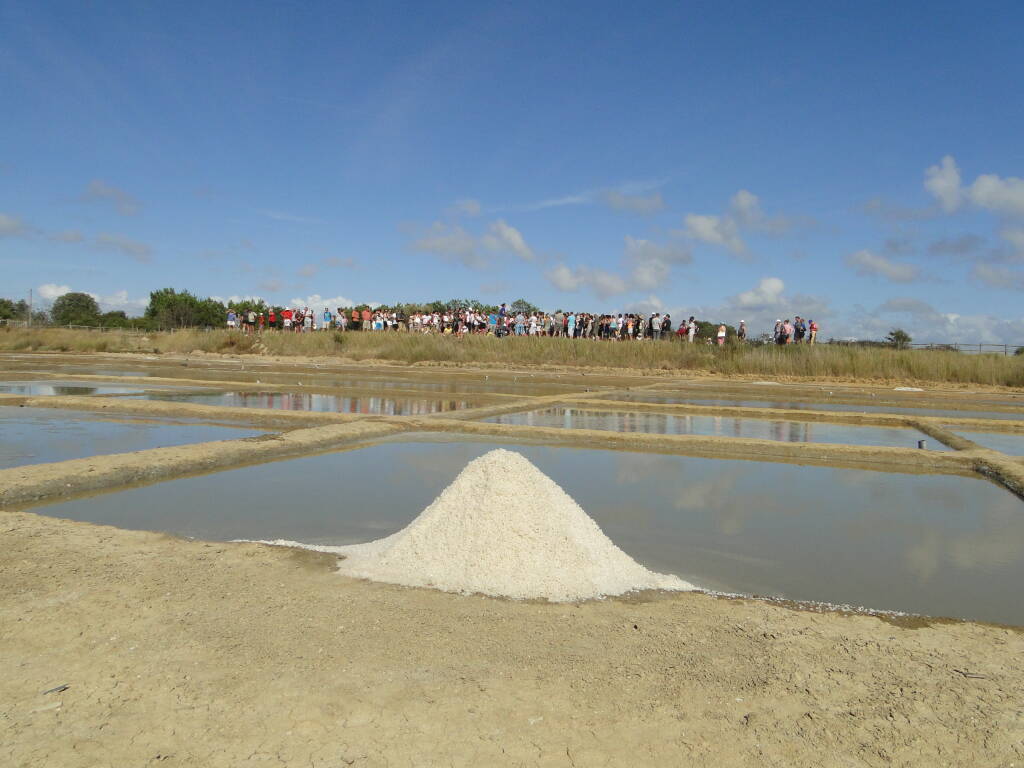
x,y
832,454
199,654
260,417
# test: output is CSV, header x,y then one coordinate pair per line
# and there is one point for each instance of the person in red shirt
x,y
367,320
272,320
286,318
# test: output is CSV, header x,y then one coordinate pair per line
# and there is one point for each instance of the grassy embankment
x,y
819,362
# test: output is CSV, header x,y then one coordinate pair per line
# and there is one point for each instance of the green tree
x,y
898,338
115,319
522,305
170,309
75,309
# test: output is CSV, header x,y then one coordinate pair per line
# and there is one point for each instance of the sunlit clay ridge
x,y
503,528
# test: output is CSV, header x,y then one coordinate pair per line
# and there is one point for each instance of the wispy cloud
x,y
999,277
100,191
12,226
290,217
465,207
640,197
642,204
70,236
138,251
869,264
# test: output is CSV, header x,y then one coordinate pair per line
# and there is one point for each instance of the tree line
x,y
169,309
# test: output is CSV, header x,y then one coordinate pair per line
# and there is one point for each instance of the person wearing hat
x,y
741,334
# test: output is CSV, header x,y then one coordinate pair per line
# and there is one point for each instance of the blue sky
x,y
859,163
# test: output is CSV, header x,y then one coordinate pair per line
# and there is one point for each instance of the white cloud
x,y
318,302
642,204
647,306
451,243
1000,195
943,183
715,230
744,215
998,277
767,294
117,301
648,266
601,282
138,251
651,263
746,210
928,325
51,291
100,191
11,226
872,264
503,237
606,284
989,191
565,279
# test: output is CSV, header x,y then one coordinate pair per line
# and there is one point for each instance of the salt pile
x,y
503,528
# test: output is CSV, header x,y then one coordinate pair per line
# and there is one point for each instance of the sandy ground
x,y
209,654
193,653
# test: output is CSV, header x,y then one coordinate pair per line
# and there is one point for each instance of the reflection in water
x,y
641,397
297,401
933,544
997,441
47,388
38,435
720,426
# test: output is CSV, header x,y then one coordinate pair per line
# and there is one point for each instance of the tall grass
x,y
818,362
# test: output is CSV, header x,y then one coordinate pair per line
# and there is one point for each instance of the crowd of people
x,y
506,322
799,331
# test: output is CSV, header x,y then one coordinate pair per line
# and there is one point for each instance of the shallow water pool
x,y
932,544
50,388
997,441
300,401
720,426
823,406
40,435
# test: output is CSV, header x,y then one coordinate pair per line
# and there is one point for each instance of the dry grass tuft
x,y
818,362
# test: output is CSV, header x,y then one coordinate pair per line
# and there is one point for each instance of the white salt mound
x,y
503,528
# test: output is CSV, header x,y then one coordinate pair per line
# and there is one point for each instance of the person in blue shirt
x,y
327,318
